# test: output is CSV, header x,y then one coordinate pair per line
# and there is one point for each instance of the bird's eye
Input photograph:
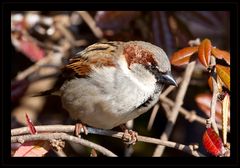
x,y
153,69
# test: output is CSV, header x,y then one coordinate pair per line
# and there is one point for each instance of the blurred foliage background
x,y
36,34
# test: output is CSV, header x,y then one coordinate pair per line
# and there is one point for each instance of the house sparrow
x,y
110,83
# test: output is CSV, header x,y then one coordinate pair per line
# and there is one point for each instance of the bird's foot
x,y
129,137
80,128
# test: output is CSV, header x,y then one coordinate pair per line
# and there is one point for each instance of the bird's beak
x,y
168,79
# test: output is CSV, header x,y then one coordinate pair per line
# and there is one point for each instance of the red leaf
x,y
32,149
18,89
212,142
31,127
183,56
221,54
31,50
204,52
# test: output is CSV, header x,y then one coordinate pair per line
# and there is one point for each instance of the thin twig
x,y
167,109
156,107
175,110
33,68
153,116
48,46
171,88
93,153
119,135
191,116
54,59
128,151
62,136
214,95
69,36
195,42
60,153
91,23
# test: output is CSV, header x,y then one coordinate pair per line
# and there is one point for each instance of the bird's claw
x,y
80,128
130,137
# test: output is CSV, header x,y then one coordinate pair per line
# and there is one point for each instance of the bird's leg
x,y
80,128
129,136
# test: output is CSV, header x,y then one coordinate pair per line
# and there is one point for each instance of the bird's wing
x,y
96,55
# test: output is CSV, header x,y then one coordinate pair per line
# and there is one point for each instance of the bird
x,y
109,83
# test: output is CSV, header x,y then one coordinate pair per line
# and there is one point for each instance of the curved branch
x,y
70,128
62,136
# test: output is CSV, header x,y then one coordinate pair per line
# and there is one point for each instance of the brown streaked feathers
x,y
96,55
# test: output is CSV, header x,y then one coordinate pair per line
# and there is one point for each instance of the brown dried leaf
x,y
204,52
224,73
183,56
221,54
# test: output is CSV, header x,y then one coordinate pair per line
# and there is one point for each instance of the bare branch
x,y
175,110
33,68
191,116
156,107
214,95
119,135
91,23
152,117
167,108
68,34
62,136
195,42
60,153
